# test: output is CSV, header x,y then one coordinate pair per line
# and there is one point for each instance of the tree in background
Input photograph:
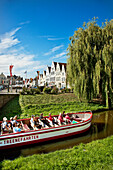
x,y
90,62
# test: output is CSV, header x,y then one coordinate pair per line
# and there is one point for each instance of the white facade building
x,y
42,79
3,80
54,76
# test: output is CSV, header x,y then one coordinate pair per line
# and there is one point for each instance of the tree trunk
x,y
106,91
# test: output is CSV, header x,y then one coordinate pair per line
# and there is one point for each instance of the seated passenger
x,y
16,128
12,121
10,129
15,119
44,120
4,125
52,120
32,121
63,114
35,124
60,118
67,118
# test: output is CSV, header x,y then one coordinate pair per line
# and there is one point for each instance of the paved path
x,y
5,91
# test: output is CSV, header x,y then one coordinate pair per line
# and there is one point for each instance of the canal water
x,y
102,127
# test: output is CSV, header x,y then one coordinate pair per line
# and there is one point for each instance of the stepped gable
x,y
55,64
49,68
41,75
44,72
61,64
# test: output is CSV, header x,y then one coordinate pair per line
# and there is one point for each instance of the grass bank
x,y
95,155
26,105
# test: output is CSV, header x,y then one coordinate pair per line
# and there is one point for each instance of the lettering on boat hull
x,y
18,140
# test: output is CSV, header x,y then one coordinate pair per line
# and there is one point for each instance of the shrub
x,y
47,90
67,90
62,90
54,90
31,91
24,90
36,91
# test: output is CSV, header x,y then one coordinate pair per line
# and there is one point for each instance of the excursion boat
x,y
30,136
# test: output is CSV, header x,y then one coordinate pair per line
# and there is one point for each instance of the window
x,y
52,79
63,79
58,79
52,73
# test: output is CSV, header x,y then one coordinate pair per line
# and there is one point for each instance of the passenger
x,y
4,125
34,124
63,114
60,118
16,128
52,119
10,127
44,120
67,117
12,121
15,119
32,121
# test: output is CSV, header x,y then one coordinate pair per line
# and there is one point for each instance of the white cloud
x,y
46,36
38,67
16,55
8,40
51,37
59,55
53,50
26,22
55,39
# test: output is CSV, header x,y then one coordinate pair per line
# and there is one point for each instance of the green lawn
x,y
96,155
26,105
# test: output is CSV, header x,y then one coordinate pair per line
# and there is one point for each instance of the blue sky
x,y
33,33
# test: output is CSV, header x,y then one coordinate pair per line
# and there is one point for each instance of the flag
x,y
38,74
10,68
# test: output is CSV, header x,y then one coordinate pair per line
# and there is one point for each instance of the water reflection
x,y
101,127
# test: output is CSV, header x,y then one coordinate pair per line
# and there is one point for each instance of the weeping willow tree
x,y
90,62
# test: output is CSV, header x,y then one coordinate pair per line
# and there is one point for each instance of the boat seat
x,y
50,122
25,126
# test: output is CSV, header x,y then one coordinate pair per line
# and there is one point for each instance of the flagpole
x,y
25,78
10,68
